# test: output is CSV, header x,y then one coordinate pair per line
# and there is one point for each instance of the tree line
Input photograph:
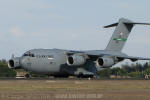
x,y
127,71
5,71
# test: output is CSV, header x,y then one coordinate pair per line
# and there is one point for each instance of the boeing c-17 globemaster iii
x,y
64,63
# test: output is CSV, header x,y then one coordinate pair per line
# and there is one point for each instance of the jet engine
x,y
76,60
105,62
14,63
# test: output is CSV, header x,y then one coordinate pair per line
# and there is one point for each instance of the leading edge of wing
x,y
95,56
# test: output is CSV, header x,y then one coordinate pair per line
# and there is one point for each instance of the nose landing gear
x,y
27,76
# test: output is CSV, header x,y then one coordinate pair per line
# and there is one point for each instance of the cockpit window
x,y
25,55
29,54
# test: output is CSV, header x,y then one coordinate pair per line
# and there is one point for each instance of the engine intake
x,y
76,60
105,62
14,63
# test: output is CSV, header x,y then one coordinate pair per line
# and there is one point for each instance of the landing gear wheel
x,y
61,76
80,75
90,76
27,76
84,76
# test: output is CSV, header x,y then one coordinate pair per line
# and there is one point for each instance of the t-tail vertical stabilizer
x,y
121,33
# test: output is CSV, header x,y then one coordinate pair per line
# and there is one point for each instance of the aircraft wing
x,y
95,56
133,58
119,57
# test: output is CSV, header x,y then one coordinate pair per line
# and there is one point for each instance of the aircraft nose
x,y
14,63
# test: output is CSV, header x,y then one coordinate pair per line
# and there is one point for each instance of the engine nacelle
x,y
14,63
76,60
105,62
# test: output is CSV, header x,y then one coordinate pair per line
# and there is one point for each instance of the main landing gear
x,y
81,75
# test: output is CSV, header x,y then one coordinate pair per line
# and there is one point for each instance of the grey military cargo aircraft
x,y
64,63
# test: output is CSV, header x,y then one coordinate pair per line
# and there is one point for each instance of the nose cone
x,y
14,63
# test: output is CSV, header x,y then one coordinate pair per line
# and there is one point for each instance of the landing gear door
x,y
29,63
51,60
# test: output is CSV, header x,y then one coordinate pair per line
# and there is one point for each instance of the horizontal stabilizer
x,y
138,23
115,24
111,25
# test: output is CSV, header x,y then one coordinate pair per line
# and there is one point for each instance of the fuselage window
x,y
43,56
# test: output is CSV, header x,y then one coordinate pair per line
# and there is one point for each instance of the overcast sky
x,y
70,24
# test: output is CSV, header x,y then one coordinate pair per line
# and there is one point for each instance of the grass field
x,y
74,89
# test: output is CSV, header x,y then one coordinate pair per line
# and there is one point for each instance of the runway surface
x,y
73,89
74,78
